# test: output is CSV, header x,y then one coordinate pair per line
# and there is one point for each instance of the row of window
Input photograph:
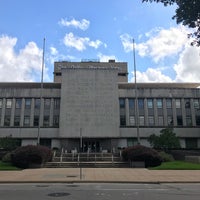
x,y
28,102
26,122
150,117
159,103
17,119
150,121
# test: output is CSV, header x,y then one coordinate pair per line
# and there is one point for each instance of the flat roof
x,y
29,85
159,85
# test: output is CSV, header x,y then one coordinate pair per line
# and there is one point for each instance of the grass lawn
x,y
7,166
177,165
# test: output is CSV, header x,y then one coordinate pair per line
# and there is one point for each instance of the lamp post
x,y
136,97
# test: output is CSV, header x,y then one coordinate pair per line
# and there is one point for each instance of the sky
x,y
76,30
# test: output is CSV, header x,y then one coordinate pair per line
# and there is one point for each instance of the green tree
x,y
166,140
187,13
9,143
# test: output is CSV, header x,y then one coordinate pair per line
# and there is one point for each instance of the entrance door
x,y
91,146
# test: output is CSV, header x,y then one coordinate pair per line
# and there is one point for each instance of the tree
x,y
9,143
187,13
166,140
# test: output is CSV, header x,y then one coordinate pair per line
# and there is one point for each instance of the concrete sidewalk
x,y
117,175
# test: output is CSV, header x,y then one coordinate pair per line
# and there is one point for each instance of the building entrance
x,y
91,146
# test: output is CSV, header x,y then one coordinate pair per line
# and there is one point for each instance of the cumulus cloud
x,y
188,65
161,43
80,43
164,46
24,65
127,42
151,75
106,58
82,24
166,43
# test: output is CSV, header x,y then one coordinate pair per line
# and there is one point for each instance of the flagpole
x,y
41,94
136,97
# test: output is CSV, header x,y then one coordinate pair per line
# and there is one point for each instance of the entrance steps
x,y
103,160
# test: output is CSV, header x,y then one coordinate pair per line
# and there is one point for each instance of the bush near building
x,y
30,156
149,156
166,140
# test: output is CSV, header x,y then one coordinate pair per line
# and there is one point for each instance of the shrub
x,y
166,157
27,156
6,158
141,153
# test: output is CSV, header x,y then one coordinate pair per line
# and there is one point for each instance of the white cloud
x,y
80,43
188,65
151,75
165,43
106,58
127,42
53,51
22,66
82,24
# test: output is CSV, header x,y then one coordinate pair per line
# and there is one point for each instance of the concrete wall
x,y
89,103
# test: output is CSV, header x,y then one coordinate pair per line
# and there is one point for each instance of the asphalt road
x,y
97,191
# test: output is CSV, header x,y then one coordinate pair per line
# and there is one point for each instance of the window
x,y
18,103
26,120
1,103
151,120
37,103
27,103
17,121
159,103
36,120
179,120
56,120
56,103
170,121
132,120
197,117
122,120
122,103
196,103
188,121
150,103
141,120
8,103
169,103
141,103
191,143
178,103
47,103
187,103
131,103
7,120
160,121
46,121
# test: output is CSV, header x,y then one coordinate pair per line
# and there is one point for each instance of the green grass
x,y
177,165
7,166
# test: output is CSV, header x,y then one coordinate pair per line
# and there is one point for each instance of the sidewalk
x,y
117,175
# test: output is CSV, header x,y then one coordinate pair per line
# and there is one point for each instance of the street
x,y
98,191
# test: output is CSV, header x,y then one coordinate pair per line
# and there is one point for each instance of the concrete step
x,y
68,159
86,164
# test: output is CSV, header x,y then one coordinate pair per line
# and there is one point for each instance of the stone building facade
x,y
91,106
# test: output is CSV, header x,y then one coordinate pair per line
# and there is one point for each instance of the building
x,y
91,106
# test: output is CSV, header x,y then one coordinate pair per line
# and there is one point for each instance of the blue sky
x,y
94,29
